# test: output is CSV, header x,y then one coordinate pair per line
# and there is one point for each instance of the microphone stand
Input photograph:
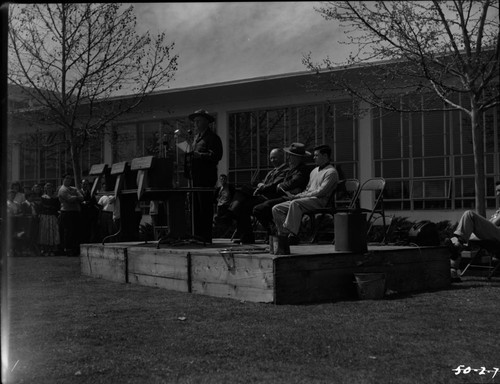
x,y
190,181
176,135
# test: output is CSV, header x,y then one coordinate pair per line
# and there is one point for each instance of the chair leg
x,y
234,234
494,269
314,229
478,255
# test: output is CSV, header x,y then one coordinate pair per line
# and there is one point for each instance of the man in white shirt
x,y
70,199
323,181
108,213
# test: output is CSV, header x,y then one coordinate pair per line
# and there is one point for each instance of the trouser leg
x,y
203,213
472,223
296,211
263,211
70,220
280,212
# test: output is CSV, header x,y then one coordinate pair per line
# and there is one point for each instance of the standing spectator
x,y
29,211
36,197
49,239
37,190
18,195
107,205
13,207
70,198
89,214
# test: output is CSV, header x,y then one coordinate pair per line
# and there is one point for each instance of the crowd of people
x,y
56,220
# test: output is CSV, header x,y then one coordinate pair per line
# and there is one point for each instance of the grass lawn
x,y
67,328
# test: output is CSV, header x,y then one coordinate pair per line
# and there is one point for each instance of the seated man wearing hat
x,y
323,181
294,181
206,154
240,208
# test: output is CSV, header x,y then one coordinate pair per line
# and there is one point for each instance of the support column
x,y
222,127
107,147
15,160
365,148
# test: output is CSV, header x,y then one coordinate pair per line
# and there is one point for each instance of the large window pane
x,y
309,124
125,142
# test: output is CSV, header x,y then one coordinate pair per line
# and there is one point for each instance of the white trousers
x,y
473,225
288,215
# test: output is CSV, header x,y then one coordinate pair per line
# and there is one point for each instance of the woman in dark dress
x,y
49,227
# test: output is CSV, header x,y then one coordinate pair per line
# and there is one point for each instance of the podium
x,y
154,178
124,178
102,173
153,173
145,179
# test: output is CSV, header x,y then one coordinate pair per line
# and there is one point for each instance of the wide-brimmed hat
x,y
203,113
297,149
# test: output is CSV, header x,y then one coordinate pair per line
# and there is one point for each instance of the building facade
x,y
426,158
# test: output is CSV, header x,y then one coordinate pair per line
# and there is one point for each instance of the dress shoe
x,y
293,240
454,246
223,220
455,275
247,239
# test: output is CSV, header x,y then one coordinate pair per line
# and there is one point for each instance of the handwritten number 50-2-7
x,y
462,369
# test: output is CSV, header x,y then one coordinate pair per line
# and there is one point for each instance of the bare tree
x,y
74,59
438,48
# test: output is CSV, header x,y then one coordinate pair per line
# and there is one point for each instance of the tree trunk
x,y
478,147
75,161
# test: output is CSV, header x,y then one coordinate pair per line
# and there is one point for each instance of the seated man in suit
x,y
295,180
223,195
323,181
245,199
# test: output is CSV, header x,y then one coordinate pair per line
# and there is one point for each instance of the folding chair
x,y
344,197
377,187
383,234
481,249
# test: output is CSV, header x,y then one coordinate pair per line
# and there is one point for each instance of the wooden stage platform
x,y
311,273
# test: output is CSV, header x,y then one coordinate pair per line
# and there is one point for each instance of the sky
x,y
218,42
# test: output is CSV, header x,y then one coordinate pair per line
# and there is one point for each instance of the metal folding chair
x,y
376,186
480,250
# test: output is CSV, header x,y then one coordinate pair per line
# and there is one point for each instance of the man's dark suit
x,y
244,201
204,174
295,181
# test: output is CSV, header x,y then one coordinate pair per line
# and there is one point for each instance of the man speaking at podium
x,y
206,154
